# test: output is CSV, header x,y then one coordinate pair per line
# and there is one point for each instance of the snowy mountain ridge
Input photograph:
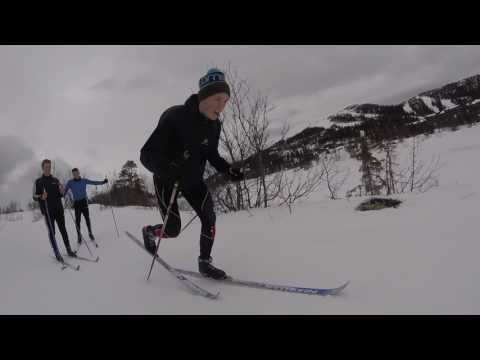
x,y
463,93
446,108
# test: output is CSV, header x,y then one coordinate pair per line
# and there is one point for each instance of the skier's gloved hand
x,y
105,181
235,174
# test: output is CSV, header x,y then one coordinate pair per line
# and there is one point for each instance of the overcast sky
x,y
93,107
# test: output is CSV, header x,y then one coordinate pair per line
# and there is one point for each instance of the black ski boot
x,y
149,238
206,268
79,241
71,253
91,236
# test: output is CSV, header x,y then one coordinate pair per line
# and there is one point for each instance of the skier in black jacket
x,y
185,138
48,191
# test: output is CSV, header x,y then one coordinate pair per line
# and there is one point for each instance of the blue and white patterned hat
x,y
212,83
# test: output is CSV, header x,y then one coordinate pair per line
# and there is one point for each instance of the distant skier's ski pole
x,y
78,229
113,214
172,199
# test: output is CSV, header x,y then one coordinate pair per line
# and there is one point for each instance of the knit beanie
x,y
212,83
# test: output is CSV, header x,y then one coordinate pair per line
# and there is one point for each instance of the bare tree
x,y
389,180
334,178
370,168
245,136
419,176
295,186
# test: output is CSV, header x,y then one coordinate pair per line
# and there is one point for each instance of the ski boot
x,y
206,268
150,235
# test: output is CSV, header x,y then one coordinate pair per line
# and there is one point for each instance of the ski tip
x,y
214,296
339,289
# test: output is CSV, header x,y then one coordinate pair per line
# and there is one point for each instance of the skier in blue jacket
x,y
78,188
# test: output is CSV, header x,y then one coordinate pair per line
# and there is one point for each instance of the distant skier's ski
x,y
92,241
185,281
86,259
76,268
263,285
67,265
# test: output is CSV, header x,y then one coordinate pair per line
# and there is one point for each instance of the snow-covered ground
x,y
422,258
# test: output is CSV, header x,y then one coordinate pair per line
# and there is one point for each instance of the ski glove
x,y
105,181
235,174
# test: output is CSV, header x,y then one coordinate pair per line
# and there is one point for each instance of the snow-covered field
x,y
422,258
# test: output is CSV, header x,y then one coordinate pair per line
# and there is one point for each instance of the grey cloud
x,y
276,132
16,156
139,83
396,98
13,152
107,84
91,152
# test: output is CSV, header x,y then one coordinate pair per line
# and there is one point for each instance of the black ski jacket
x,y
54,198
185,138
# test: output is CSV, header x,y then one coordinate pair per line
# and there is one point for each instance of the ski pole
x,y
53,241
78,230
113,214
162,230
188,224
193,218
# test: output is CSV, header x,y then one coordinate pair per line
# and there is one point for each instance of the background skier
x,y
78,188
48,191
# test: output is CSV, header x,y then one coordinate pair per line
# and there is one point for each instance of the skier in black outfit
x,y
185,138
48,191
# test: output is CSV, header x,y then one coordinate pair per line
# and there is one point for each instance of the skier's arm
x,y
67,187
153,154
214,157
93,182
61,189
37,191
